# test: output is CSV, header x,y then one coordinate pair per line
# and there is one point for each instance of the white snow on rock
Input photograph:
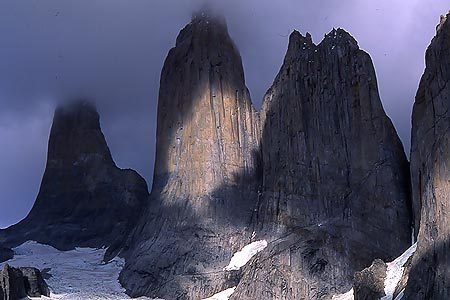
x,y
223,295
395,271
393,275
78,274
346,296
242,257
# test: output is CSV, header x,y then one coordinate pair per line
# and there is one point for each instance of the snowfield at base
x,y
78,274
223,295
346,296
395,271
242,257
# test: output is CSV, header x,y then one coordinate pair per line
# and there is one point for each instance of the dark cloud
x,y
112,51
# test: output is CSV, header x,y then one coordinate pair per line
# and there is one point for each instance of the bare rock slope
x,y
322,176
335,175
84,198
206,170
430,172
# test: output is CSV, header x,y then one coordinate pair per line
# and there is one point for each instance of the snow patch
x,y
242,257
395,271
345,296
393,275
223,295
78,274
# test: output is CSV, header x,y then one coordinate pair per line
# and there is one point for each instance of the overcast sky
x,y
112,51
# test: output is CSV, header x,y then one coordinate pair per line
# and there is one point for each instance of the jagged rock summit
x,y
319,177
206,169
84,198
430,172
335,175
322,175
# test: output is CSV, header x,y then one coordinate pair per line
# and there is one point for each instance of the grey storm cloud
x,y
112,51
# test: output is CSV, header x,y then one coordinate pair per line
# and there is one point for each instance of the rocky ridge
x,y
322,175
319,173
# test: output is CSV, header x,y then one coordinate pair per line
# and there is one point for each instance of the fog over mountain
x,y
112,52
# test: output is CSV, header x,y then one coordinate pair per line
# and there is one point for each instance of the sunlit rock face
x,y
335,178
84,198
206,122
206,170
430,172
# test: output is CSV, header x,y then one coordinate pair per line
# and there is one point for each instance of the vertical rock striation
x,y
335,180
84,198
206,167
430,172
18,283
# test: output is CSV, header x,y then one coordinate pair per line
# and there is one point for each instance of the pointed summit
x,y
84,198
335,176
205,170
207,14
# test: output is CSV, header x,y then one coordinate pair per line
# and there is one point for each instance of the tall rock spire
x,y
335,177
430,172
206,122
328,143
206,170
84,198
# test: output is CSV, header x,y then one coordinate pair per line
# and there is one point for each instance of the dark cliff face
x,y
321,175
430,165
329,150
205,172
84,199
335,178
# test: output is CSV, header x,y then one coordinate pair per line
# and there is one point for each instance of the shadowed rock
x,y
35,286
205,179
335,178
12,285
84,198
430,172
18,283
369,283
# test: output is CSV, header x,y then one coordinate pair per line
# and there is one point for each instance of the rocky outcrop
x,y
335,176
18,283
430,173
35,285
12,285
368,284
84,198
206,170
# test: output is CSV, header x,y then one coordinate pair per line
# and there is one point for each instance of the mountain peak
x,y
84,198
76,134
443,21
340,37
207,15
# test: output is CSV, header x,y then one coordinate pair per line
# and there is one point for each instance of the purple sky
x,y
113,51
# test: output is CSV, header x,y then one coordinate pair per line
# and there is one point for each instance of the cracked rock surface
x,y
369,283
205,171
18,283
430,172
335,175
